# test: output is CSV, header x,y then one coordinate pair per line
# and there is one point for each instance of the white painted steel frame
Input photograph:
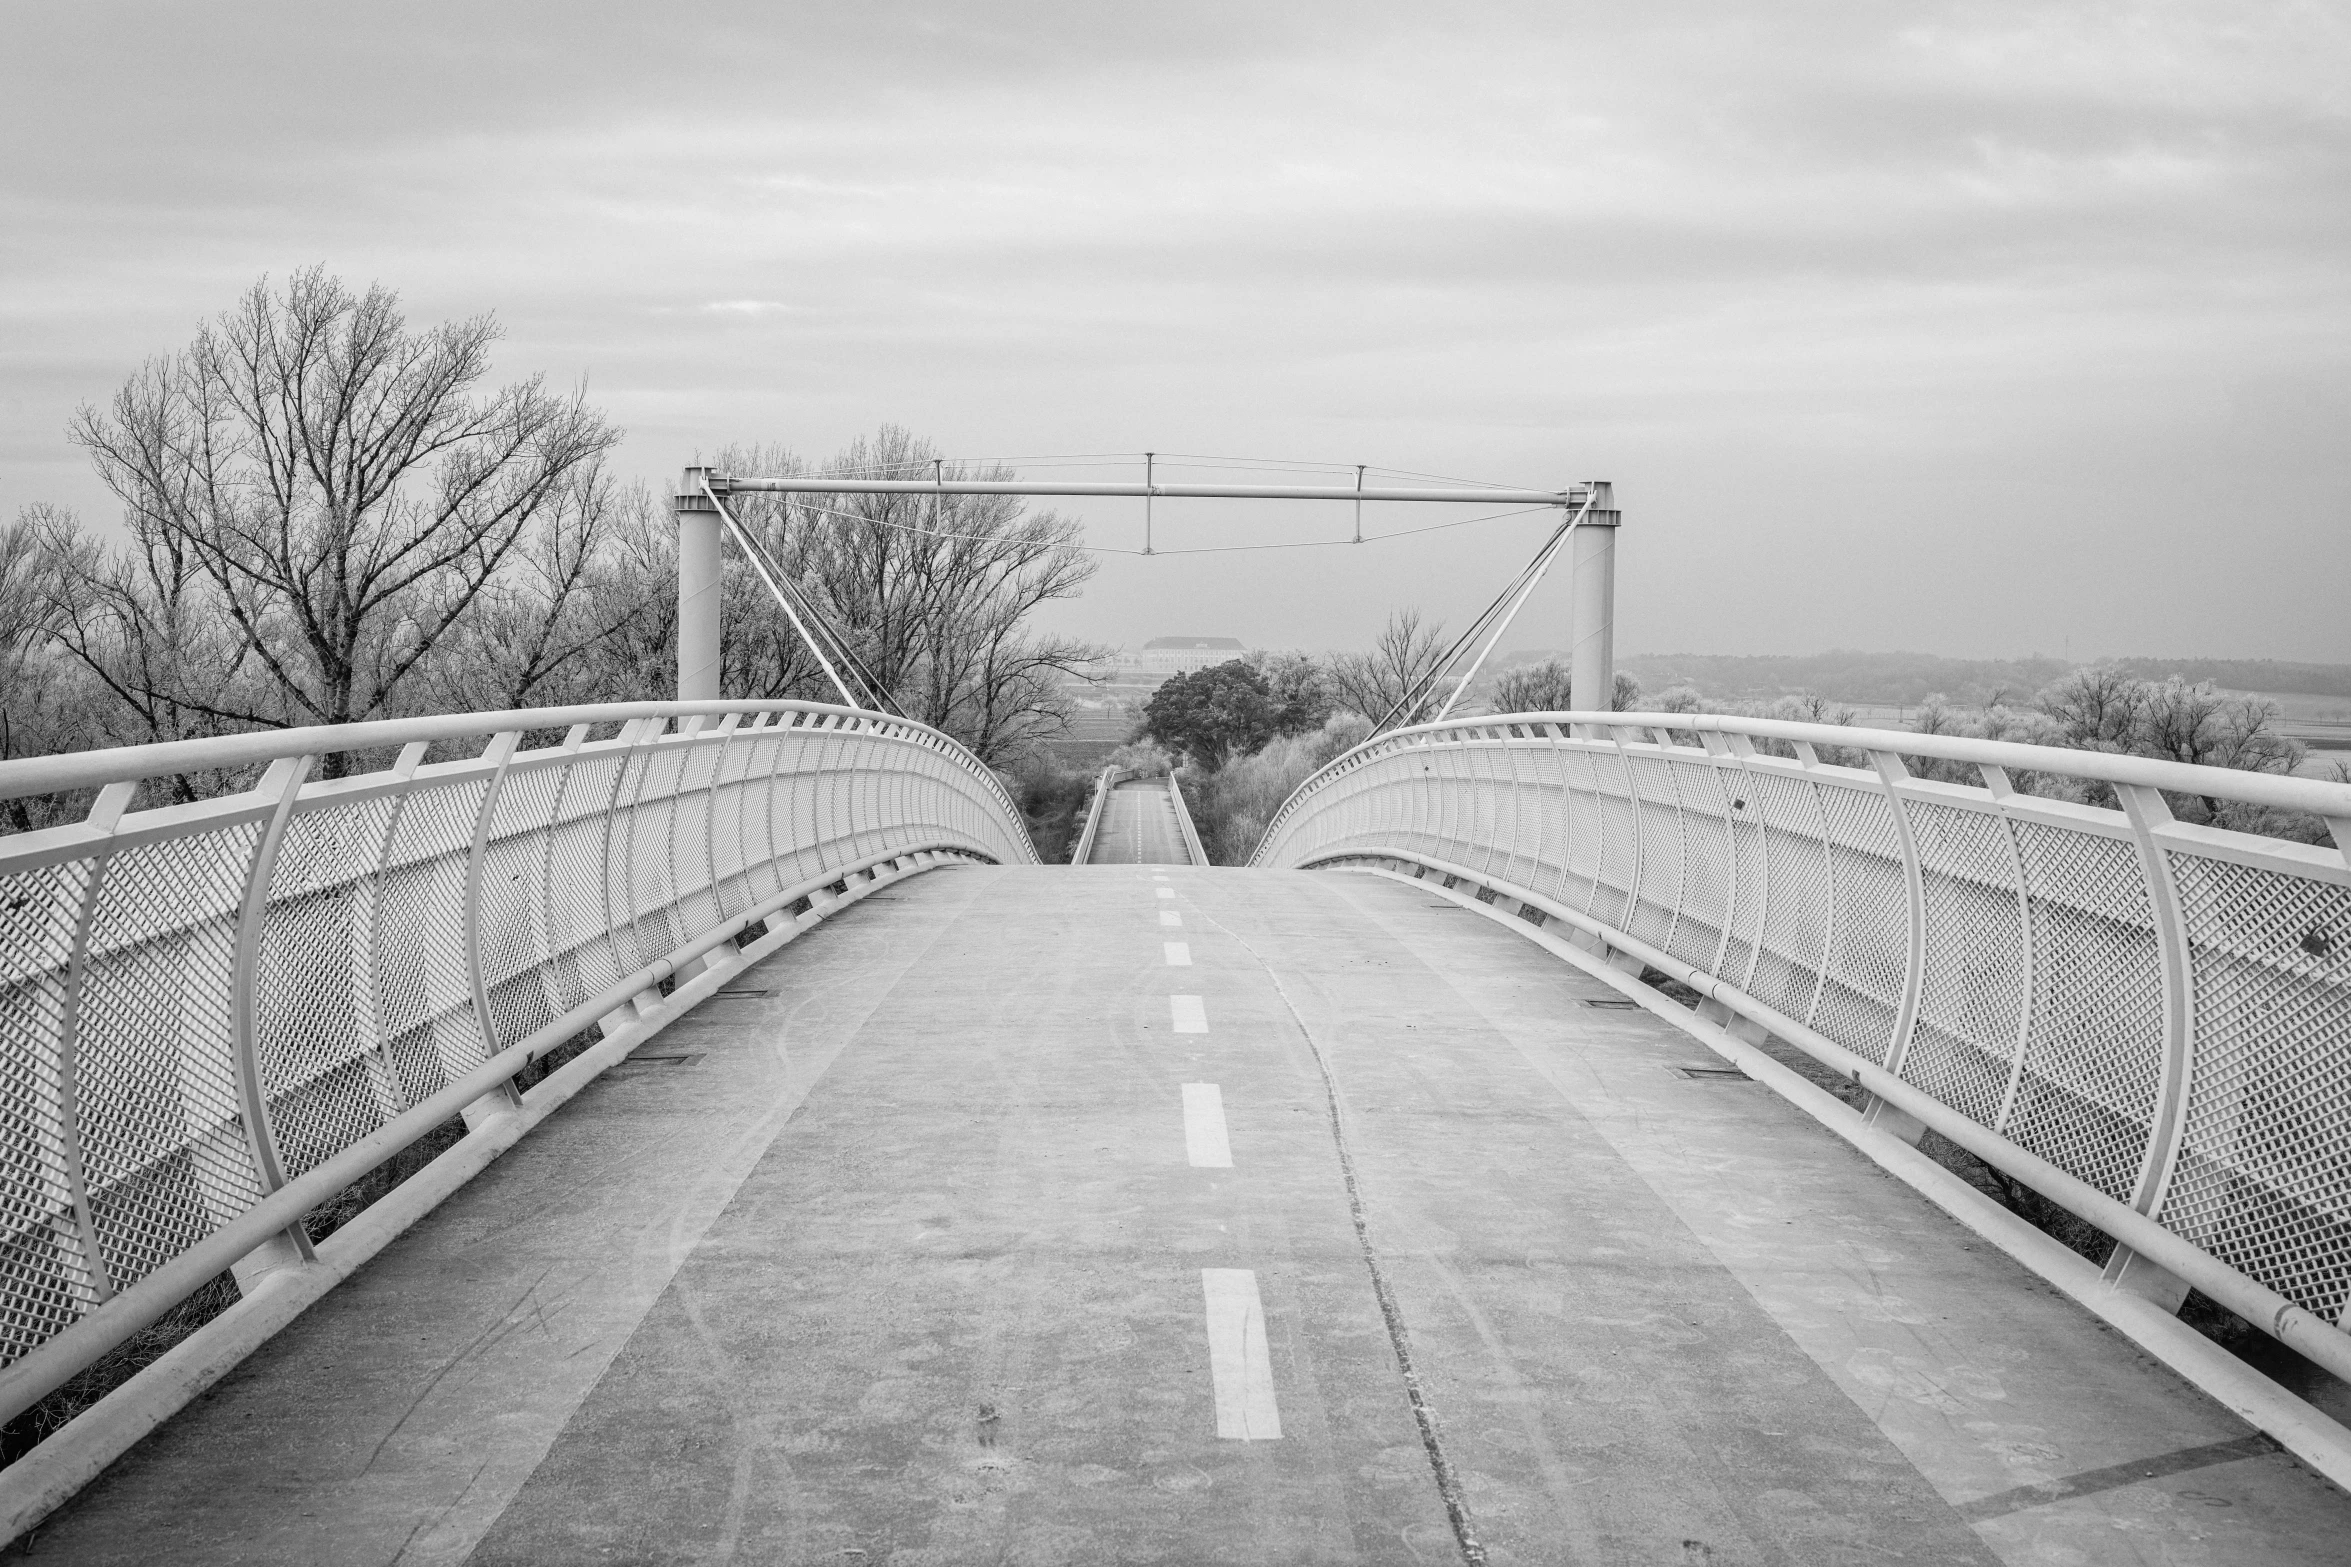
x,y
215,1016
736,484
2147,1021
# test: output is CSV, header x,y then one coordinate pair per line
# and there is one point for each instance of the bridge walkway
x,y
926,1255
1139,827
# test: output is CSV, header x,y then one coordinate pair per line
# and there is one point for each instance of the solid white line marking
x,y
1171,917
1164,892
1179,953
1191,1017
1204,1134
1239,1362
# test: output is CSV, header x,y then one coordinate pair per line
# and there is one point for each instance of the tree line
x,y
1908,679
1248,732
330,516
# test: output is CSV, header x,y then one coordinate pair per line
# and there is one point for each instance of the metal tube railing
x,y
2147,1021
1183,815
214,1016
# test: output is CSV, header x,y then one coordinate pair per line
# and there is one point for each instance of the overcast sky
x,y
1978,329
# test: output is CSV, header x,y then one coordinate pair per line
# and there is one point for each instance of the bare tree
x,y
1533,688
933,593
145,624
2097,706
572,616
1393,678
333,477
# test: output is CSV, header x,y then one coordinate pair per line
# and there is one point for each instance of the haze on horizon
x,y
1971,329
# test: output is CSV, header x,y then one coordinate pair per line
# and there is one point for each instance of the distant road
x,y
1139,827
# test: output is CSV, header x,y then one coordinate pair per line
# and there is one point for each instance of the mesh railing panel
x,y
2264,1173
1796,920
45,1278
1657,824
1751,879
119,1072
1869,923
2037,995
2093,1058
1708,867
164,1144
1963,1046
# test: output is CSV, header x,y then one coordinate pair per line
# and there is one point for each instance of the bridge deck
x,y
909,1262
1139,827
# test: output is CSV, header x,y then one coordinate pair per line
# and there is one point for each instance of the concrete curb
x,y
49,1476
2301,1429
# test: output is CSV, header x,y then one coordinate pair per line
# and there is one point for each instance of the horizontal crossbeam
x,y
1573,496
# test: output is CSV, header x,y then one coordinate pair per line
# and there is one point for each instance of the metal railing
x,y
2147,1021
1183,815
214,1014
1096,808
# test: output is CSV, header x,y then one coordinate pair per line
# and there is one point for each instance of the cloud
x,y
1798,278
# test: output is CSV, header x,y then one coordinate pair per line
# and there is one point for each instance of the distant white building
x,y
1183,655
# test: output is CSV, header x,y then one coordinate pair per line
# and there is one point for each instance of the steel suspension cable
x,y
759,565
1550,552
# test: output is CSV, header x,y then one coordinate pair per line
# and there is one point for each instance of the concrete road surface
x,y
1115,1215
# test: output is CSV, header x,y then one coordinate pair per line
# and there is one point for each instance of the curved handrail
x,y
2316,796
116,764
2146,1020
205,1005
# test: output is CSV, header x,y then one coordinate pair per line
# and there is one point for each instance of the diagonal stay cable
x,y
1416,689
1514,594
759,565
1549,553
884,701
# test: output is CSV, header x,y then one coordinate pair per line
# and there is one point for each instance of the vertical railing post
x,y
1742,752
1997,784
638,737
1809,761
1716,755
499,754
1891,771
726,957
367,1001
2126,1269
105,816
701,576
280,788
1616,958
1592,559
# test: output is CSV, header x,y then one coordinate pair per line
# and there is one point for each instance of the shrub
x,y
1232,805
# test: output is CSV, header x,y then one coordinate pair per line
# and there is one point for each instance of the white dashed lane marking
x,y
1179,953
1191,1017
1164,892
1204,1133
1171,917
1239,1362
